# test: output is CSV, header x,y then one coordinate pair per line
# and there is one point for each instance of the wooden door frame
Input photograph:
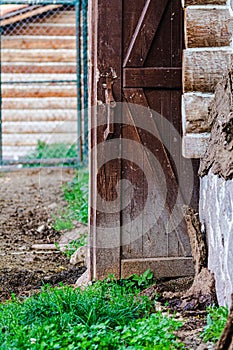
x,y
98,258
102,261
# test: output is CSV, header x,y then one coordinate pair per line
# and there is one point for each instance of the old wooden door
x,y
139,180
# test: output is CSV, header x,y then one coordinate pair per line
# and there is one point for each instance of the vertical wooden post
x,y
106,24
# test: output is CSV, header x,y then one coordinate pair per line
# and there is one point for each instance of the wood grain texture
x,y
18,55
169,78
195,112
16,151
66,104
39,90
31,140
39,68
150,35
162,267
25,15
37,115
195,145
204,2
42,48
39,127
61,16
55,30
157,241
30,78
31,43
107,31
208,28
144,33
203,69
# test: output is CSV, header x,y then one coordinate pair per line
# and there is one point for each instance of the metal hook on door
x,y
110,101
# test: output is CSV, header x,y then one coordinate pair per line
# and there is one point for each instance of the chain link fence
x,y
44,83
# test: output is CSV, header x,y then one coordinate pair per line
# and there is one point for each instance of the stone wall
x,y
216,189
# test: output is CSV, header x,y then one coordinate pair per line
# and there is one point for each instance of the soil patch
x,y
28,200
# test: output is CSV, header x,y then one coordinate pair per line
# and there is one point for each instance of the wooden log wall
x,y
207,56
36,54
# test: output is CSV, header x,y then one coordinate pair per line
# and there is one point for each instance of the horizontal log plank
x,y
7,9
162,267
32,139
35,127
25,15
61,55
39,68
64,17
152,77
204,2
14,152
55,30
38,115
208,28
204,68
48,161
32,104
195,145
46,42
39,90
7,78
195,112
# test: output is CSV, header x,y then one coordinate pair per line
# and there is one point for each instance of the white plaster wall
x,y
216,213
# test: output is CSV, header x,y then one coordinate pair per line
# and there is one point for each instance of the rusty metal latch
x,y
110,102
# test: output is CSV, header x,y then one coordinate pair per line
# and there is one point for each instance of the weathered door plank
x,y
144,33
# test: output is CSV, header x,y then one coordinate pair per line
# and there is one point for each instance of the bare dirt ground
x,y
28,199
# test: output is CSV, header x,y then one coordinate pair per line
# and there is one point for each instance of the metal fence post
x,y
0,97
79,70
85,73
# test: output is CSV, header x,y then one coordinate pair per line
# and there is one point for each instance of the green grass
x,y
55,150
76,196
72,246
216,320
106,315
